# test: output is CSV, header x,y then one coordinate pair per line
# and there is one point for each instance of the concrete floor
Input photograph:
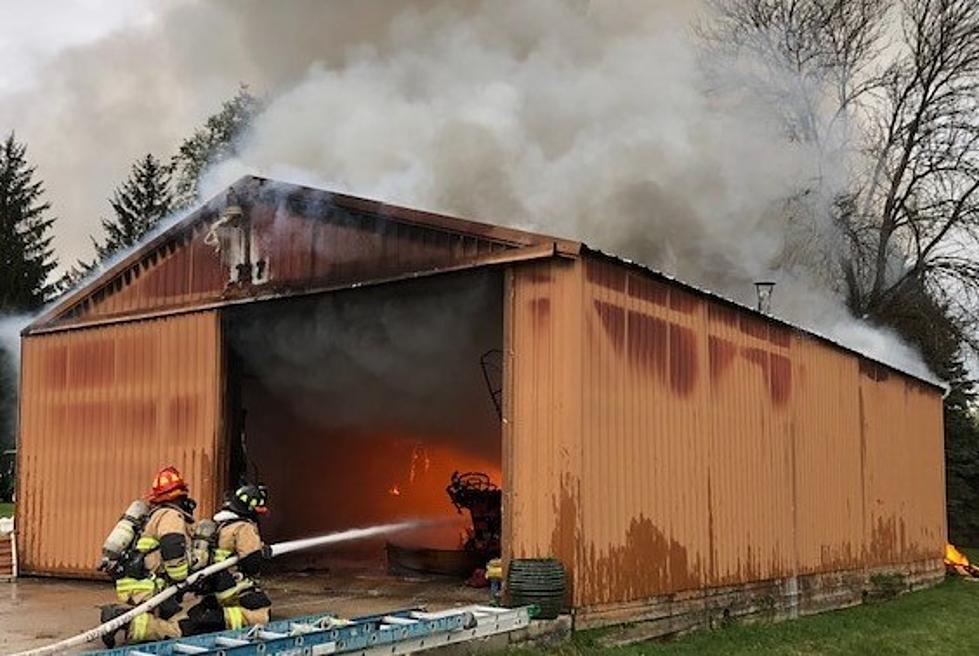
x,y
35,611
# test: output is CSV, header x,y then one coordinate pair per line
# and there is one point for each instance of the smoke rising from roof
x,y
583,119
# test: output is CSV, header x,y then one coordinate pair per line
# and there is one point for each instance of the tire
x,y
537,581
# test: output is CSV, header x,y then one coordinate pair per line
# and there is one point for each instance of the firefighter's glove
x,y
169,608
200,587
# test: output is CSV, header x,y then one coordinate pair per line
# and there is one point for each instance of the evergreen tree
x,y
26,256
214,141
139,204
8,416
26,260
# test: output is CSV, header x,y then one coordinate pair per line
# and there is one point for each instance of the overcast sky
x,y
32,33
92,85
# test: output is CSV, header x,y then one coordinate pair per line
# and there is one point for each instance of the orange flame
x,y
395,491
418,452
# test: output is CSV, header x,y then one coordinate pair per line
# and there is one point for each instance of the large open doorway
x,y
356,407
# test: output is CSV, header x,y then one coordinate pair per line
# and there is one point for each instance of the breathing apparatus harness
x,y
125,549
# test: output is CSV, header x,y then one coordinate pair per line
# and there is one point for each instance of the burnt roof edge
x,y
251,187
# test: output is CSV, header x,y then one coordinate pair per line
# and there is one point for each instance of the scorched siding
x,y
101,410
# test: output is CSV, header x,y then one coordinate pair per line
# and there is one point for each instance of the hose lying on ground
x,y
278,549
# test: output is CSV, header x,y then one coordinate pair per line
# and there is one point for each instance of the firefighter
x,y
235,598
157,559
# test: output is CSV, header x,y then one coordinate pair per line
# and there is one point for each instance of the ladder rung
x,y
223,641
440,615
336,623
180,648
271,635
493,610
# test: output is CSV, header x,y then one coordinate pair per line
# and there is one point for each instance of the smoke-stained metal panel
x,y
542,412
750,449
101,411
720,448
644,477
294,239
901,443
828,459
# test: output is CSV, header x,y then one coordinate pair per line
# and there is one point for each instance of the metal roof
x,y
308,202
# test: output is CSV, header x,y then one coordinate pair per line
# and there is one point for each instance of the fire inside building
x,y
681,455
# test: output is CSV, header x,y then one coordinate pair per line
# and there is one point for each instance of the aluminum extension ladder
x,y
399,632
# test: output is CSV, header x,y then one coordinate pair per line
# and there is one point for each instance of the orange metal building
x,y
682,455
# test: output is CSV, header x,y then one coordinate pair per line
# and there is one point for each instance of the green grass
x,y
942,620
6,509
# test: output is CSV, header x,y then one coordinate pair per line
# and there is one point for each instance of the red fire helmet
x,y
168,485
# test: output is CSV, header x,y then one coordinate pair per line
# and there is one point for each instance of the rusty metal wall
x,y
829,493
645,462
341,246
749,391
542,410
182,272
100,411
301,248
705,446
903,461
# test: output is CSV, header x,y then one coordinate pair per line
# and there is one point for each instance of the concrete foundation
x,y
773,600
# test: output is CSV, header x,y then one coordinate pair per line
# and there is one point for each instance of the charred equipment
x,y
476,493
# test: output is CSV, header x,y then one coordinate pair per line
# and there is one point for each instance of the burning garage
x,y
684,457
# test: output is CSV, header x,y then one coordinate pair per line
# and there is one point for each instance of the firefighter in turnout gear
x,y
156,559
235,597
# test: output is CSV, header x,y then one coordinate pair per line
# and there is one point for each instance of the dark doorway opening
x,y
356,407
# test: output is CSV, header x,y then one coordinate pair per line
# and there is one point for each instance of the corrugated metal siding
x,y
542,405
709,446
101,410
183,272
315,247
828,489
644,396
340,246
750,452
901,435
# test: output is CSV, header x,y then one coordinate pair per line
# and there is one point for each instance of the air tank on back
x,y
124,532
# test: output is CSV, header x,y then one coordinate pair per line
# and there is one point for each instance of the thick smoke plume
x,y
585,119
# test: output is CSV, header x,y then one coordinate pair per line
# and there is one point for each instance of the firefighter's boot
x,y
109,613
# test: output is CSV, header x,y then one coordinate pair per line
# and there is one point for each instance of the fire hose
x,y
277,549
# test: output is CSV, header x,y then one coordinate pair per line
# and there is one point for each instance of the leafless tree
x,y
892,88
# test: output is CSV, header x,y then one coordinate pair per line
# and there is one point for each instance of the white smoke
x,y
583,119
10,327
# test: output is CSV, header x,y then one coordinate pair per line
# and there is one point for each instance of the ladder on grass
x,y
400,632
